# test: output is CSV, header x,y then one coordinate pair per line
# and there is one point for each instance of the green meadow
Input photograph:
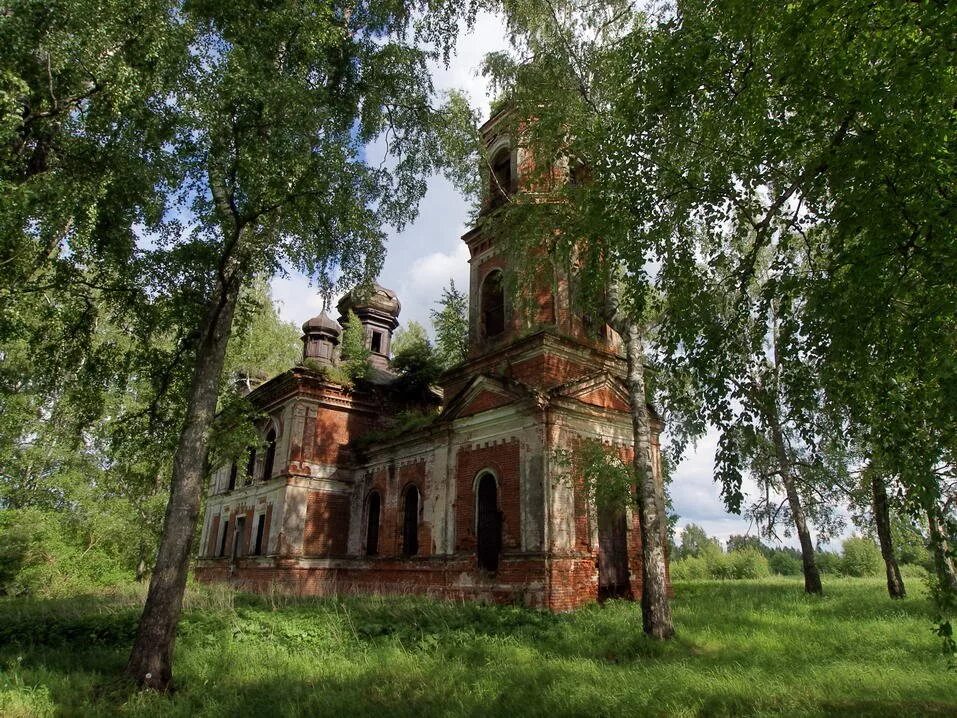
x,y
743,648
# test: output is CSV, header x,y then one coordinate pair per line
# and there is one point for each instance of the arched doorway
x,y
488,524
410,522
372,524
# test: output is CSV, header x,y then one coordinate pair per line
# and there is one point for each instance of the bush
x,y
748,563
785,562
913,570
689,569
43,554
861,557
828,562
718,563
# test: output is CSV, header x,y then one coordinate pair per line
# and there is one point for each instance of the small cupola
x,y
378,310
320,337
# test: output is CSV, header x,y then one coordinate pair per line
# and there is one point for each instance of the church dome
x,y
378,299
320,324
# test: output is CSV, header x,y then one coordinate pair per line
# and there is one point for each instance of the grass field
x,y
743,648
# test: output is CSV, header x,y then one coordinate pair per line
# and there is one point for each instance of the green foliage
x,y
695,542
354,357
748,563
451,324
418,367
861,558
853,652
262,345
410,337
50,554
785,562
828,562
737,542
606,480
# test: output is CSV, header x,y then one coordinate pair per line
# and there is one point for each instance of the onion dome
x,y
320,336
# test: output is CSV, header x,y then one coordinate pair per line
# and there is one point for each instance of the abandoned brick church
x,y
475,504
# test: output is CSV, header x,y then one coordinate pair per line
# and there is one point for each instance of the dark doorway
x,y
613,574
372,525
410,523
270,455
488,524
493,304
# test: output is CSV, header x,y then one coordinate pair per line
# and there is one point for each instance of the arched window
x,y
251,464
488,524
233,470
500,179
410,522
372,524
270,454
493,304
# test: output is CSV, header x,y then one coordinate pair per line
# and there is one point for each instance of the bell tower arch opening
x,y
492,300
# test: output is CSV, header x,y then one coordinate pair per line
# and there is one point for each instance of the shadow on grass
x,y
743,649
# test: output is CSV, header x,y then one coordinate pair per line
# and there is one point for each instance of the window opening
x,y
238,546
251,464
233,471
493,304
222,541
410,524
270,455
260,529
488,524
501,184
377,342
372,525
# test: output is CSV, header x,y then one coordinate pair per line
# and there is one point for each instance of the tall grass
x,y
743,648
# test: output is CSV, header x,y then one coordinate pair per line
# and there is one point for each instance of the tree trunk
x,y
882,520
812,577
655,607
150,662
940,546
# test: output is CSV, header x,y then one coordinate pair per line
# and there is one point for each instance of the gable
x,y
481,394
483,401
602,390
606,398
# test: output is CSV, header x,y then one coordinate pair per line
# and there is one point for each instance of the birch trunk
x,y
882,521
150,661
655,606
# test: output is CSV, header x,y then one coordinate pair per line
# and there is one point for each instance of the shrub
x,y
828,562
785,562
913,570
718,563
689,569
748,563
43,554
861,557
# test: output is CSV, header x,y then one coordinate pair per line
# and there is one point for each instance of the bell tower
x,y
546,300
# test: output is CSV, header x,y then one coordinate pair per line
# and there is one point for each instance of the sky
x,y
429,252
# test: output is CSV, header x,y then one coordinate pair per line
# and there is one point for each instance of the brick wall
x,y
327,524
504,461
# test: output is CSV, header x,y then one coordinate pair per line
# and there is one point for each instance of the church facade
x,y
476,502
